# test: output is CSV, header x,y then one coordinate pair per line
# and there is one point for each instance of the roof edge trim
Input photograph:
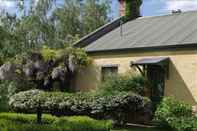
x,y
183,46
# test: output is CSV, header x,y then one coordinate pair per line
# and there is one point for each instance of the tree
x,y
95,14
77,19
46,67
46,23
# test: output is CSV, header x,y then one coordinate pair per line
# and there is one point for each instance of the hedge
x,y
114,107
21,122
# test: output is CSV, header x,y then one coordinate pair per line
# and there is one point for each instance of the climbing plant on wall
x,y
132,9
47,67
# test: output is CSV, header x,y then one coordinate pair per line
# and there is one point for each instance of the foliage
x,y
132,9
170,107
95,15
24,122
48,54
6,90
120,83
175,114
9,88
183,123
46,22
46,67
114,107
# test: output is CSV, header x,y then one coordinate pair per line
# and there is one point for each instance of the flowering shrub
x,y
114,107
46,67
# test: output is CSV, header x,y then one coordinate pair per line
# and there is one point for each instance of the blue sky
x,y
160,7
149,7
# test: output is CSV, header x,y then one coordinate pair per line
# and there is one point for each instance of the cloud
x,y
7,4
184,5
36,2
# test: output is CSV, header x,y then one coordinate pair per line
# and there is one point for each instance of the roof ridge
x,y
170,14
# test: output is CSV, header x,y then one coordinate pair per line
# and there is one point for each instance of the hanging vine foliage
x,y
46,67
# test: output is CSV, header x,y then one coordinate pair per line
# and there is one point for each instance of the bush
x,y
119,83
21,122
8,88
183,123
175,114
170,107
114,107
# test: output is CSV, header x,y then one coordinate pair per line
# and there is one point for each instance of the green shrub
x,y
114,107
183,123
8,88
175,114
22,122
170,107
119,83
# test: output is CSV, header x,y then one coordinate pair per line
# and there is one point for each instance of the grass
x,y
24,122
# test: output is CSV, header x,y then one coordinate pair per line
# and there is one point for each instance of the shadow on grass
x,y
141,129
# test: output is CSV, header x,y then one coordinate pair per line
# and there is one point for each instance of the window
x,y
108,70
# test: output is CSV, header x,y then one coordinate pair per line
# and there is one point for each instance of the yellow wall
x,y
182,82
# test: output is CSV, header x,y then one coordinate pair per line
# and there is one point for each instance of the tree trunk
x,y
39,114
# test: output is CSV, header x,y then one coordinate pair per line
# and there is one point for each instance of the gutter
x,y
192,46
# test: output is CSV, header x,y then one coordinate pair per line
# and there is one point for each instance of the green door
x,y
156,78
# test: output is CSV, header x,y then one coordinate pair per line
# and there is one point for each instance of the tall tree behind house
x,y
48,22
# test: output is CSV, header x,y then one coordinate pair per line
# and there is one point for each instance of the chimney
x,y
122,7
130,8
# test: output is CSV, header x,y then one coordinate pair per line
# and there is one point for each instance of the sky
x,y
148,8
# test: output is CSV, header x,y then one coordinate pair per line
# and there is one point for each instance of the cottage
x,y
163,48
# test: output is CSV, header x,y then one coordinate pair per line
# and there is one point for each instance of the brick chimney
x,y
122,7
130,8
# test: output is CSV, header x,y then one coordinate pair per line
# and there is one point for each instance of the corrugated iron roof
x,y
147,61
159,31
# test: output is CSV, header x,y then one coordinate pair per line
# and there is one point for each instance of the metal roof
x,y
150,61
178,29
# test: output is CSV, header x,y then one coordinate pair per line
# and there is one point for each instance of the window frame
x,y
110,67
